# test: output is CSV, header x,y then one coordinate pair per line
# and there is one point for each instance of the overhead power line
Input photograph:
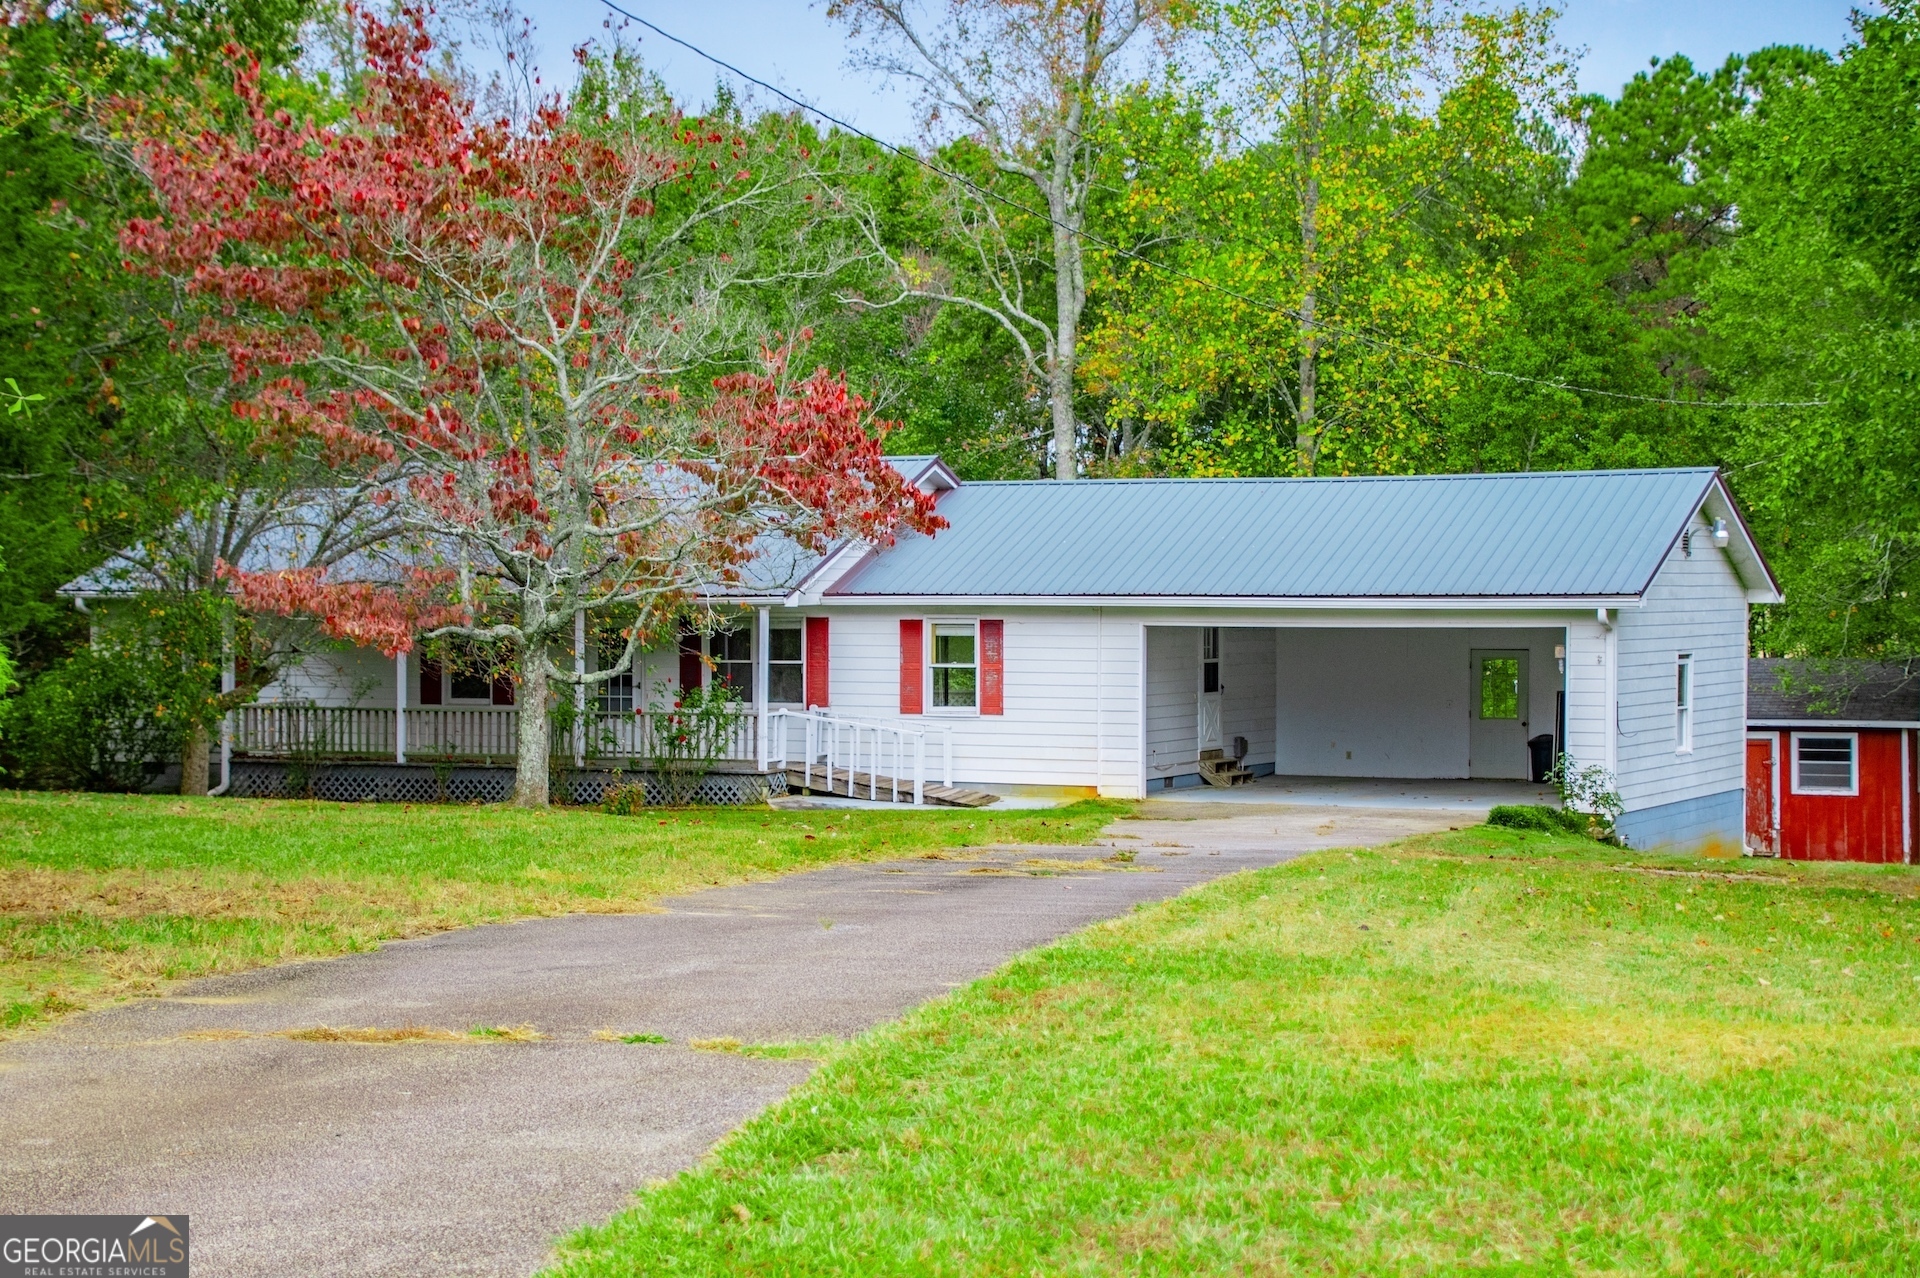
x,y
1257,303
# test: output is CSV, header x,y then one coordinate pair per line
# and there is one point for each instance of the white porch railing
x,y
891,755
465,732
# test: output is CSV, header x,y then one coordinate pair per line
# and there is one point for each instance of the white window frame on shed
x,y
1683,704
934,626
1853,748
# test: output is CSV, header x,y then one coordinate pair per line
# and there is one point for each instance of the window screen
x,y
786,678
954,666
1823,765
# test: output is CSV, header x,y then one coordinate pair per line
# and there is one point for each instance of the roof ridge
x,y
1338,479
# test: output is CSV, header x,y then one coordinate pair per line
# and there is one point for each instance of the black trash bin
x,y
1541,748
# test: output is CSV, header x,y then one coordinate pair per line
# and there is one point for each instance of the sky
x,y
791,44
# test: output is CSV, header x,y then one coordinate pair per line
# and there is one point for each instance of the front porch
x,y
458,734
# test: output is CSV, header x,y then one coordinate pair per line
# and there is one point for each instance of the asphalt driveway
x,y
294,1156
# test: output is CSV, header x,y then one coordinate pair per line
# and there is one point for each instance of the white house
x,y
1116,637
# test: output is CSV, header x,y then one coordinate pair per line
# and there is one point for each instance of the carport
x,y
1404,702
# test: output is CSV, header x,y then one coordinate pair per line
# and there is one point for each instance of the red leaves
x,y
375,616
809,444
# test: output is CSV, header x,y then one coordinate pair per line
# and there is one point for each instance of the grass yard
x,y
102,896
1489,1051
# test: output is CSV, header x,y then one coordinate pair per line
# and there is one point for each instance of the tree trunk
x,y
530,776
195,758
1060,376
1306,437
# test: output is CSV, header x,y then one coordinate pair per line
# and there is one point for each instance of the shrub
x,y
1537,816
624,800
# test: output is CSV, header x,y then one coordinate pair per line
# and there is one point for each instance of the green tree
x,y
1328,254
1819,300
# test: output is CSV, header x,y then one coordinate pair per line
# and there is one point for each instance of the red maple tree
x,y
487,320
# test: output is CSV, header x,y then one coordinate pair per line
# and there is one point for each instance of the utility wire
x,y
1257,303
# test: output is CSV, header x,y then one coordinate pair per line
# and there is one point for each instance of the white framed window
x,y
1209,658
732,654
1826,763
786,666
1683,703
955,668
616,694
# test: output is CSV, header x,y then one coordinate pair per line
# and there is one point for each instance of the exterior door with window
x,y
1497,732
1210,688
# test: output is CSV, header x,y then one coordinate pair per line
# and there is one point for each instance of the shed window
x,y
1826,763
786,668
955,666
1683,702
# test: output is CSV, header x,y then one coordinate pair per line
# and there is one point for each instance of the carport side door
x,y
1763,804
1209,688
1497,703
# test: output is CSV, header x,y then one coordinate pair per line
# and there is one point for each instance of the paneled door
x,y
1497,733
1210,688
1762,801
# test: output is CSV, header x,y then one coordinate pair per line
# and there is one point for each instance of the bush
x,y
1536,816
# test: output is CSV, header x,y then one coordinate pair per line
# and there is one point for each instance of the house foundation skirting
x,y
1709,823
359,781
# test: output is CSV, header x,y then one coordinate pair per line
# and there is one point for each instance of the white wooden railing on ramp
x,y
890,760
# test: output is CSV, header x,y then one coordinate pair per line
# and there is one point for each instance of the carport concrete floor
x,y
473,1157
1465,798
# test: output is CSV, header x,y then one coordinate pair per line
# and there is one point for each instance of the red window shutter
x,y
430,683
993,667
912,665
503,690
817,681
690,662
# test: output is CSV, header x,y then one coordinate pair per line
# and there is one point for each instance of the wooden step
x,y
1220,772
881,788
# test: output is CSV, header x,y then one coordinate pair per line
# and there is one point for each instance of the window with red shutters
x,y
817,680
430,685
993,678
913,651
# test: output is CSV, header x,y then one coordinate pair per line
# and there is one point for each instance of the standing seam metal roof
x,y
1545,534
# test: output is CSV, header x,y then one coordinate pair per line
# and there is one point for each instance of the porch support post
x,y
400,707
762,629
580,690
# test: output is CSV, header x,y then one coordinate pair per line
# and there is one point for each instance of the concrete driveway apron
x,y
472,1157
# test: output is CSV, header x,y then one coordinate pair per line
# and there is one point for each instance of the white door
x,y
1210,688
1497,702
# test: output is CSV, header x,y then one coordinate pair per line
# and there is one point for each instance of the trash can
x,y
1541,748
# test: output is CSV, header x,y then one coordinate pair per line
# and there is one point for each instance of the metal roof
x,y
1834,693
1558,534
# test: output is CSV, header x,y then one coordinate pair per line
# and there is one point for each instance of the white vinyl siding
x,y
1698,606
1071,687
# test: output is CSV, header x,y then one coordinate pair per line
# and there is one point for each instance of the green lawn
x,y
1488,1052
102,896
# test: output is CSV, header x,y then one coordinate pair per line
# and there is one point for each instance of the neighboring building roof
x,y
1885,693
1545,535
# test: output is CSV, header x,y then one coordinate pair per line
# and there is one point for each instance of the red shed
x,y
1831,770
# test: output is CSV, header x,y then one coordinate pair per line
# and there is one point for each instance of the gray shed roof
x,y
1846,692
1581,534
